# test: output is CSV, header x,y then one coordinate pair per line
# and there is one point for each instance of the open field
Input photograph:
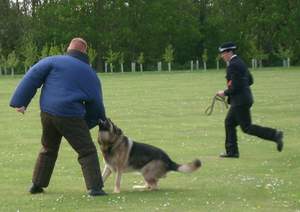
x,y
166,110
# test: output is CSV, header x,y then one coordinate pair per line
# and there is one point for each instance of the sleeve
x,y
235,81
94,107
28,86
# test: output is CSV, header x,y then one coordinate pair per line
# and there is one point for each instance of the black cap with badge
x,y
228,46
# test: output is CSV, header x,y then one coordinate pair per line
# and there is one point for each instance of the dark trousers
x,y
77,134
240,115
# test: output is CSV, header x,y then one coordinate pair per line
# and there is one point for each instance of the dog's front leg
x,y
118,181
106,172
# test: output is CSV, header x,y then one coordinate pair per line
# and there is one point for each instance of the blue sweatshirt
x,y
71,88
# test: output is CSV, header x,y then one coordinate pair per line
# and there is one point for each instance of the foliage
x,y
168,56
138,26
121,58
3,61
284,53
141,58
12,60
92,53
111,56
29,52
45,51
55,50
204,56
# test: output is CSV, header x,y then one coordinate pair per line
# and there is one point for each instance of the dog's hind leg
x,y
117,188
106,172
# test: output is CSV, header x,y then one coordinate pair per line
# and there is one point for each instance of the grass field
x,y
166,110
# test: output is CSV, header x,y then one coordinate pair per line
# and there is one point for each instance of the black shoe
x,y
225,155
34,189
98,192
279,140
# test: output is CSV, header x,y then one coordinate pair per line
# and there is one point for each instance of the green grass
x,y
166,110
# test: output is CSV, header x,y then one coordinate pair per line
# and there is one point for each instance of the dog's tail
x,y
188,167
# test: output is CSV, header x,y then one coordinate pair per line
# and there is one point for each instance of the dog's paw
x,y
139,187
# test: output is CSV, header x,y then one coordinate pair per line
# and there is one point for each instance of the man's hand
x,y
221,93
21,109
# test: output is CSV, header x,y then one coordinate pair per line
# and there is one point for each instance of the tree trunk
x,y
141,67
122,67
12,72
192,65
197,65
159,66
260,63
169,67
218,65
133,67
105,67
111,67
204,65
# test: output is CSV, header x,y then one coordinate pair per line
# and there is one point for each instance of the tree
x,y
12,62
204,58
141,61
54,50
45,51
285,54
218,57
111,58
257,53
121,61
169,56
29,52
92,54
3,64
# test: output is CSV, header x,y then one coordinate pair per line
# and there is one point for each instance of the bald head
x,y
78,44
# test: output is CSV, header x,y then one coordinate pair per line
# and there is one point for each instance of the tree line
x,y
146,32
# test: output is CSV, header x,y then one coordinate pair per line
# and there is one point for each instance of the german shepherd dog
x,y
123,155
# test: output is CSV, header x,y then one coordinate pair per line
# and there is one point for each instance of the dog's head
x,y
109,133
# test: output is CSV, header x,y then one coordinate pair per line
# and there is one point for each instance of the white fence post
x,y
122,67
159,66
133,66
105,67
169,67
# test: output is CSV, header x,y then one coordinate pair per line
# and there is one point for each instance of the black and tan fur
x,y
122,155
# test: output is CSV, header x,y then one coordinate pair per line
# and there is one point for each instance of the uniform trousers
x,y
241,115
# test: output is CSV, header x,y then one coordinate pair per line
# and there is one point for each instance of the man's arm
x,y
95,109
236,80
28,86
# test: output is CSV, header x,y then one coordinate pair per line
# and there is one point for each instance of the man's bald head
x,y
78,44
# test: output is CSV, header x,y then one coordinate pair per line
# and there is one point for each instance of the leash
x,y
210,108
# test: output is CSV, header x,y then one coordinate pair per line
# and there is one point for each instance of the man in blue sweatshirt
x,y
71,103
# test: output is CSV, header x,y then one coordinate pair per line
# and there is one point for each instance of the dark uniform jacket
x,y
239,80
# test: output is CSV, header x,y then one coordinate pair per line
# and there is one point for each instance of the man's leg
x,y
76,132
45,162
267,133
231,145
